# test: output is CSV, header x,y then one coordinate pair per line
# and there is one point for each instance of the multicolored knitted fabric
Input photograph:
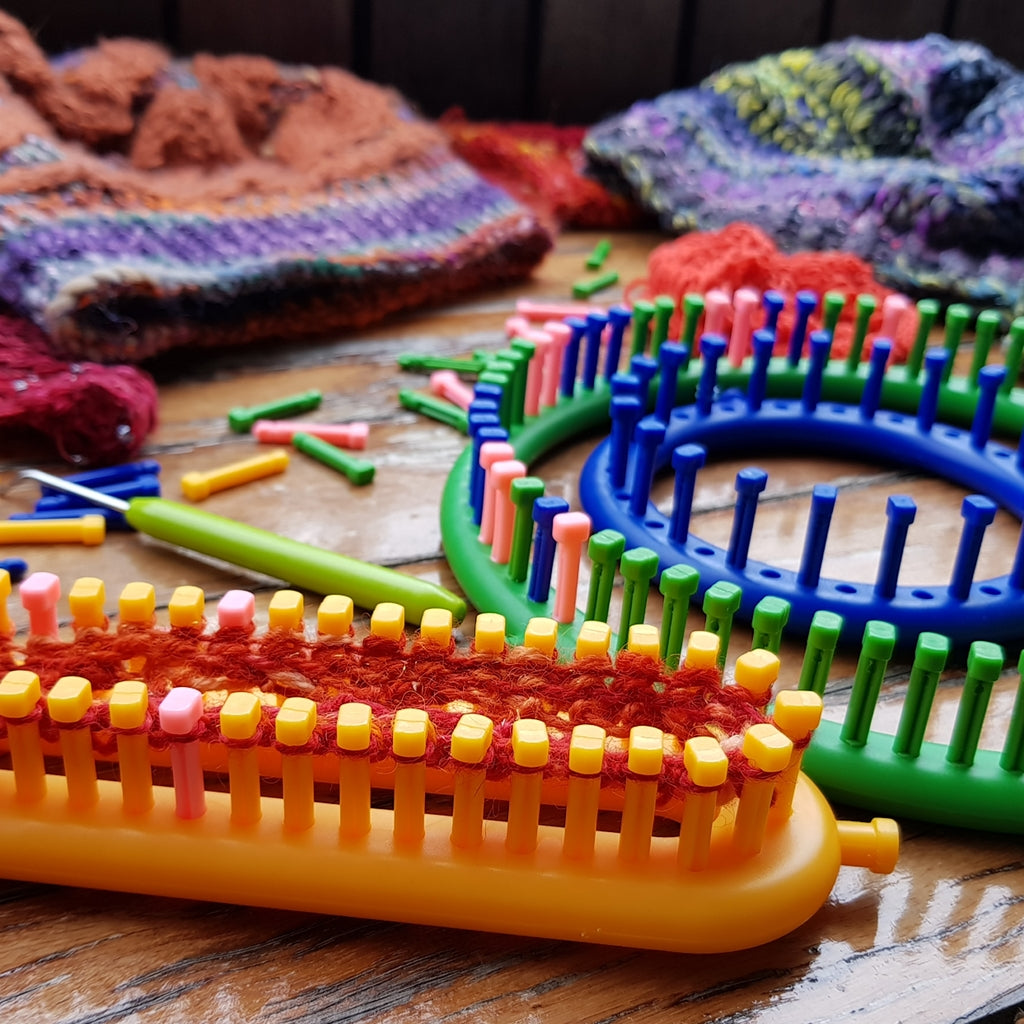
x,y
148,203
908,154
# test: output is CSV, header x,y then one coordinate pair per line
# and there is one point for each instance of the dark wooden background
x,y
568,61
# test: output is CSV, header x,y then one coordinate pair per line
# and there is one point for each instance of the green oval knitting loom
x,y
921,779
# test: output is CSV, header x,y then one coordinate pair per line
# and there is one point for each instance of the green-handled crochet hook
x,y
305,566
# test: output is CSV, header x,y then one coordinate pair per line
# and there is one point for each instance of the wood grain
x,y
939,940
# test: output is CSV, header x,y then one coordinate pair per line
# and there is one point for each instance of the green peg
x,y
241,420
822,639
595,261
876,649
693,308
1012,757
832,310
984,665
359,471
721,603
678,584
605,550
525,490
643,313
769,620
957,317
637,567
930,658
587,287
434,407
664,307
520,361
1013,355
927,314
866,306
425,364
503,378
984,333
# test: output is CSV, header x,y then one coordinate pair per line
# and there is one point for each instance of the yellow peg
x,y
137,604
240,716
388,620
594,640
707,766
797,713
490,633
19,696
436,628
294,727
355,724
88,529
768,750
702,649
756,671
586,759
187,608
411,732
67,703
86,599
286,611
530,747
334,616
129,707
646,754
198,486
471,740
644,639
541,635
6,626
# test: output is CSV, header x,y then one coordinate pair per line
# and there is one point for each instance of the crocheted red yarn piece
x,y
742,255
93,414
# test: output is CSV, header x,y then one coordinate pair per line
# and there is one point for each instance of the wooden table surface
x,y
941,939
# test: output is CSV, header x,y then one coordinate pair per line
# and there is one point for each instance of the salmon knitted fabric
x,y
148,203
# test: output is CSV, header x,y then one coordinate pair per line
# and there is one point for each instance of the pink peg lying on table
x,y
538,312
571,531
560,335
490,453
746,303
343,435
502,475
447,384
40,593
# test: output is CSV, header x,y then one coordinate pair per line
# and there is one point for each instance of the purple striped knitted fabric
x,y
910,155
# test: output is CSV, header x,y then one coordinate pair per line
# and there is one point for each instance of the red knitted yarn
x,y
94,414
742,255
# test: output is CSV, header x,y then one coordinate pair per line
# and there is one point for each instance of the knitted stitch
x,y
910,155
147,203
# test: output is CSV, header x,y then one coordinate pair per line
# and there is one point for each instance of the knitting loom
x,y
754,853
956,784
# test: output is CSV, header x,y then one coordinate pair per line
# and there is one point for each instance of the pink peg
x,y
745,303
560,334
717,307
342,435
180,712
893,308
535,372
446,384
539,312
502,475
40,593
490,453
570,531
236,610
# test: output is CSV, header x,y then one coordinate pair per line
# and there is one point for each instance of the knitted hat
x,y
147,203
910,155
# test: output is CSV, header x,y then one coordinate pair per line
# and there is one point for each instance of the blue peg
x,y
871,396
476,473
671,356
823,503
147,486
483,405
571,356
990,379
712,348
626,384
821,343
115,520
544,511
928,406
16,567
1016,577
686,461
100,478
806,304
618,317
978,512
900,511
750,482
649,433
643,367
489,392
757,388
773,302
626,412
596,323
